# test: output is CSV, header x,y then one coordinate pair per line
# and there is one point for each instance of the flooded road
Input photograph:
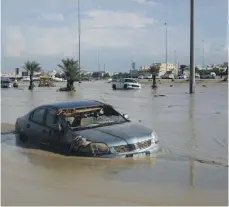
x,y
190,170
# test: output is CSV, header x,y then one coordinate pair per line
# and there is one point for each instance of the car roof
x,y
75,104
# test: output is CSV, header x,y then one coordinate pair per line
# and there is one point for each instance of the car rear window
x,y
38,115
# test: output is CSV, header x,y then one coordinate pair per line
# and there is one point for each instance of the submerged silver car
x,y
85,128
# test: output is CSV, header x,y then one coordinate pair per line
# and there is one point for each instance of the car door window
x,y
38,116
51,118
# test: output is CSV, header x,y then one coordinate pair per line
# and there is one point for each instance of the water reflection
x,y
192,137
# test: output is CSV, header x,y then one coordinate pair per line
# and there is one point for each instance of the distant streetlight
x,y
192,53
175,60
203,64
79,31
98,62
166,47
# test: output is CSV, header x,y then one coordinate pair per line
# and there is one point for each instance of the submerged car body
x,y
126,83
85,128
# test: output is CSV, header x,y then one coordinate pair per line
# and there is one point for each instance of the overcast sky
x,y
119,30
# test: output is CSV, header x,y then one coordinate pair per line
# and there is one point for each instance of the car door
x,y
35,127
121,83
53,137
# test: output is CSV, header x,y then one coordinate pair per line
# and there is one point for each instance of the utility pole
x,y
175,60
166,47
192,44
203,64
98,62
79,31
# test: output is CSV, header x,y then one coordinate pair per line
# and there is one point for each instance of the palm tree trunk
x,y
31,86
154,82
70,85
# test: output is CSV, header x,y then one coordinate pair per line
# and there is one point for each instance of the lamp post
x,y
79,31
203,64
166,46
192,64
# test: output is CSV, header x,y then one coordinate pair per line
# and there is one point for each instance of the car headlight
x,y
154,136
112,150
123,148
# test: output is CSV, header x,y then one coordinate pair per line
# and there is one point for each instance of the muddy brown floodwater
x,y
190,170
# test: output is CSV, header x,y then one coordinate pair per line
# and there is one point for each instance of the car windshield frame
x,y
79,113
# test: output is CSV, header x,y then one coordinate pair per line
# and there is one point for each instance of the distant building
x,y
144,68
134,73
170,68
133,66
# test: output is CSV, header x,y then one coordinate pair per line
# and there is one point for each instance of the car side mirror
x,y
126,116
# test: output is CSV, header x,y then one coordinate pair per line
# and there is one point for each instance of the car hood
x,y
118,134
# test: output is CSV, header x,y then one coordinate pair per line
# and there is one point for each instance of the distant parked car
x,y
6,82
168,76
85,128
148,76
126,83
140,77
209,76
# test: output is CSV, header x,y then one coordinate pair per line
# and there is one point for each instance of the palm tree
x,y
31,67
71,71
154,70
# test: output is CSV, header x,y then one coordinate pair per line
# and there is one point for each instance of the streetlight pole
x,y
166,47
203,55
192,44
98,62
175,61
79,33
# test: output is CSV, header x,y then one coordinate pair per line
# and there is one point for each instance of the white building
x,y
164,69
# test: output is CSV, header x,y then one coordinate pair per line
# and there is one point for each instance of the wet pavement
x,y
190,170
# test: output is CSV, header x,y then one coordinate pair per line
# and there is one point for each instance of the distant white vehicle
x,y
6,83
126,83
27,79
57,79
213,74
109,80
140,77
148,76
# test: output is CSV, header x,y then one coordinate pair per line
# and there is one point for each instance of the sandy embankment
x,y
5,127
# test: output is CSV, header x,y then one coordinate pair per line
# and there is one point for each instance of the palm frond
x,y
31,67
70,67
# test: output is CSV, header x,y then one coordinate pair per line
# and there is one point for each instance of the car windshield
x,y
85,118
130,81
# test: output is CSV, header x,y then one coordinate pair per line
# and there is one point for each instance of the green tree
x,y
106,75
71,71
31,67
154,69
96,74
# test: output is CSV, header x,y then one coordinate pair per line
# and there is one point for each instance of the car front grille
x,y
132,147
143,144
136,86
125,148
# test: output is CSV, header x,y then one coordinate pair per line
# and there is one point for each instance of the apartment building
x,y
144,67
163,69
